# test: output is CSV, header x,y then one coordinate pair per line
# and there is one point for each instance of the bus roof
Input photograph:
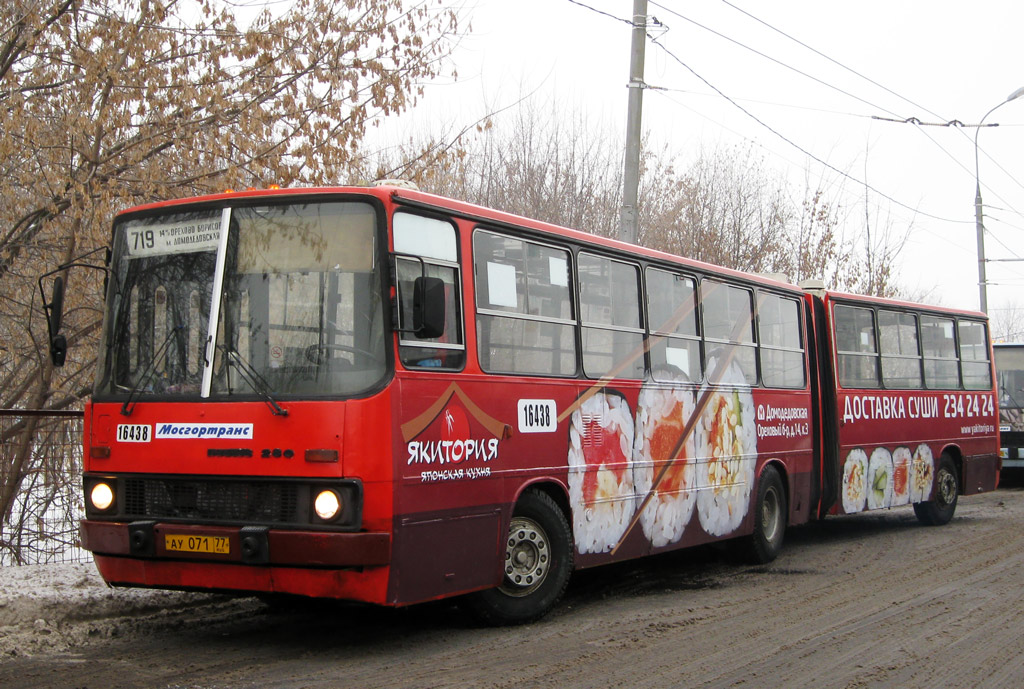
x,y
404,195
475,212
900,303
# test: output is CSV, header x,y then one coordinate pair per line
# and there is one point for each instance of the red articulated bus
x,y
381,395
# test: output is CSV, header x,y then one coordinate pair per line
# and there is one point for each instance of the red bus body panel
x,y
357,430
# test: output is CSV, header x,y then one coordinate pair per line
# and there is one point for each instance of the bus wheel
x,y
940,509
770,513
537,562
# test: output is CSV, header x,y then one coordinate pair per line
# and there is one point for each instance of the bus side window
x,y
855,346
940,360
974,363
901,355
728,317
435,242
610,316
672,312
524,307
781,352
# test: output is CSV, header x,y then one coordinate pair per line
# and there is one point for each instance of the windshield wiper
x,y
251,376
129,404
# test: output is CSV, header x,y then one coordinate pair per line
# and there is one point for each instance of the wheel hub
x,y
526,557
770,515
947,488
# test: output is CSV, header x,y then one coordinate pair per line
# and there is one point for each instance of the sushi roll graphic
x,y
601,472
726,446
661,415
880,479
901,476
922,472
855,481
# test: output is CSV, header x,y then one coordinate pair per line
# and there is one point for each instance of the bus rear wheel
x,y
770,513
939,510
537,564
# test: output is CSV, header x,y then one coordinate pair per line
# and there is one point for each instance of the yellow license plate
x,y
218,545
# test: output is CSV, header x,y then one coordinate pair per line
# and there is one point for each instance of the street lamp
x,y
979,223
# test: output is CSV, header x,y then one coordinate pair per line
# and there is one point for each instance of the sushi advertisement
x,y
880,467
646,466
674,464
887,478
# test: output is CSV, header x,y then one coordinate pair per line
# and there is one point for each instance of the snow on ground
x,y
56,607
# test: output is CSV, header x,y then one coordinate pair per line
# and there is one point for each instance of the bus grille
x,y
221,501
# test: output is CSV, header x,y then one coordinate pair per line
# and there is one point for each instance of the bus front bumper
x,y
252,545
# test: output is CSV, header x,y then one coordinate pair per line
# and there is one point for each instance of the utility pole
x,y
631,172
979,216
979,225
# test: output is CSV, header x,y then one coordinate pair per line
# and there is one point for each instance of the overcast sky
x,y
933,60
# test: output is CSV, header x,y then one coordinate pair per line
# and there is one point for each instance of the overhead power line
x,y
831,59
884,88
801,148
960,125
772,59
919,123
909,120
735,103
669,89
601,12
1005,246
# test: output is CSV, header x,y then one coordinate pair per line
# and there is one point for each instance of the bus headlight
x,y
101,496
327,505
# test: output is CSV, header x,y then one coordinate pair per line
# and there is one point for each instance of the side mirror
x,y
428,307
55,311
58,350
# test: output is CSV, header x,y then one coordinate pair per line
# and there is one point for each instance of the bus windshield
x,y
295,292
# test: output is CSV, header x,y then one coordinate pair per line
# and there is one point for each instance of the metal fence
x,y
41,525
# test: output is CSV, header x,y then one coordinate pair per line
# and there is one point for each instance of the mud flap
x,y
981,474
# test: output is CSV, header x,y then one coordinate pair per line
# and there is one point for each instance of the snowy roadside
x,y
57,607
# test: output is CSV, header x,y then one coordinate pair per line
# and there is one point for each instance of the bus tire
x,y
939,511
765,544
538,562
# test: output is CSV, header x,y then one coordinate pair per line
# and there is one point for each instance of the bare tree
x,y
874,269
539,161
110,103
873,266
1007,322
726,208
818,248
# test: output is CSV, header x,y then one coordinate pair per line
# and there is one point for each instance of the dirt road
x,y
872,600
